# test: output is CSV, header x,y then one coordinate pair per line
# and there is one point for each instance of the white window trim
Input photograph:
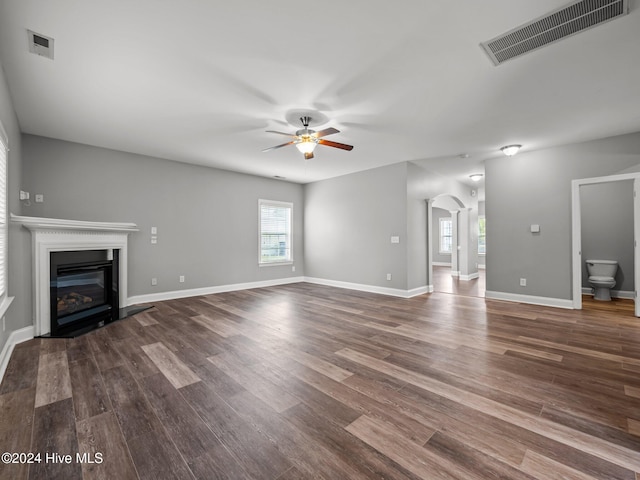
x,y
5,299
277,204
485,235
5,302
440,250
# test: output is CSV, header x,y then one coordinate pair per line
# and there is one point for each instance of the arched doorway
x,y
463,252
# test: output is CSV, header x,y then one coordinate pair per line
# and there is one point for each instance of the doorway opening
x,y
452,246
605,244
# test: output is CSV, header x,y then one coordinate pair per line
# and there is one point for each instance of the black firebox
x,y
84,294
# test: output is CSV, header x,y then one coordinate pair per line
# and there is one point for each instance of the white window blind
x,y
3,218
275,232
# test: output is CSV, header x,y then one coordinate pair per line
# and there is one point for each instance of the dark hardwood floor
x,y
444,282
306,381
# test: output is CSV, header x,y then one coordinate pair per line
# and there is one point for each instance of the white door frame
x,y
576,234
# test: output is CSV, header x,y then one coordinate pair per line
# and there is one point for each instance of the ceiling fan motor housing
x,y
306,131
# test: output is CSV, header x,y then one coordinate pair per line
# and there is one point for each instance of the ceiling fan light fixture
x,y
306,144
511,150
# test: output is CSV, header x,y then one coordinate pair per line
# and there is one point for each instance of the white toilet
x,y
602,278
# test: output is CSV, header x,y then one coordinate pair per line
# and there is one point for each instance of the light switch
x,y
535,228
395,239
154,230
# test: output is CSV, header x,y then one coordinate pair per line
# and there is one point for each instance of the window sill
x,y
274,264
4,305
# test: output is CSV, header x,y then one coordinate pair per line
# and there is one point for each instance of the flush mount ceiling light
x,y
476,177
511,150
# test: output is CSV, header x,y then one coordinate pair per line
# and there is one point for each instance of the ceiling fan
x,y
306,139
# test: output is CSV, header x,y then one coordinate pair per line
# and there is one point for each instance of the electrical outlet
x,y
154,240
388,276
39,198
154,281
181,278
523,282
293,268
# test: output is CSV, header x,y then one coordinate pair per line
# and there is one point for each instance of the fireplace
x,y
84,290
54,235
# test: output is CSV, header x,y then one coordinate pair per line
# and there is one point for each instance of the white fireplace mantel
x,y
58,235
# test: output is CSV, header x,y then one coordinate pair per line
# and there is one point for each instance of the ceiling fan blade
x,y
281,133
325,132
278,146
329,143
308,156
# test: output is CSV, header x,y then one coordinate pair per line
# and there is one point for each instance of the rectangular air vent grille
x,y
561,23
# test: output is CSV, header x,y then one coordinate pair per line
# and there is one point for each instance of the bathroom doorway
x,y
629,256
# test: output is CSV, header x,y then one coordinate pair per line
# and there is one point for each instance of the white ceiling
x,y
200,81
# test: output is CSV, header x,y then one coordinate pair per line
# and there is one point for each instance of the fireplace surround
x,y
51,236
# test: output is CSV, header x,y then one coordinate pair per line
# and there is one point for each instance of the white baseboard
x,y
441,264
172,295
394,292
531,299
471,276
194,292
614,293
15,337
414,292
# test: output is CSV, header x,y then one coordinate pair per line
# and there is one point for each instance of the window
x,y
446,235
482,236
3,218
275,232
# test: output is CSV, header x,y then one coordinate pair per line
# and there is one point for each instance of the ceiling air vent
x,y
561,23
40,44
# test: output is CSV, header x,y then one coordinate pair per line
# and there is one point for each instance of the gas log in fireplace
x,y
84,290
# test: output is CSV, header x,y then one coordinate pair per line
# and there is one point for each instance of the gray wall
x,y
439,213
349,221
607,228
207,219
535,188
417,228
481,208
19,283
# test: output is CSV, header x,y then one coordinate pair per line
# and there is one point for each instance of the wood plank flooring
x,y
307,381
444,282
